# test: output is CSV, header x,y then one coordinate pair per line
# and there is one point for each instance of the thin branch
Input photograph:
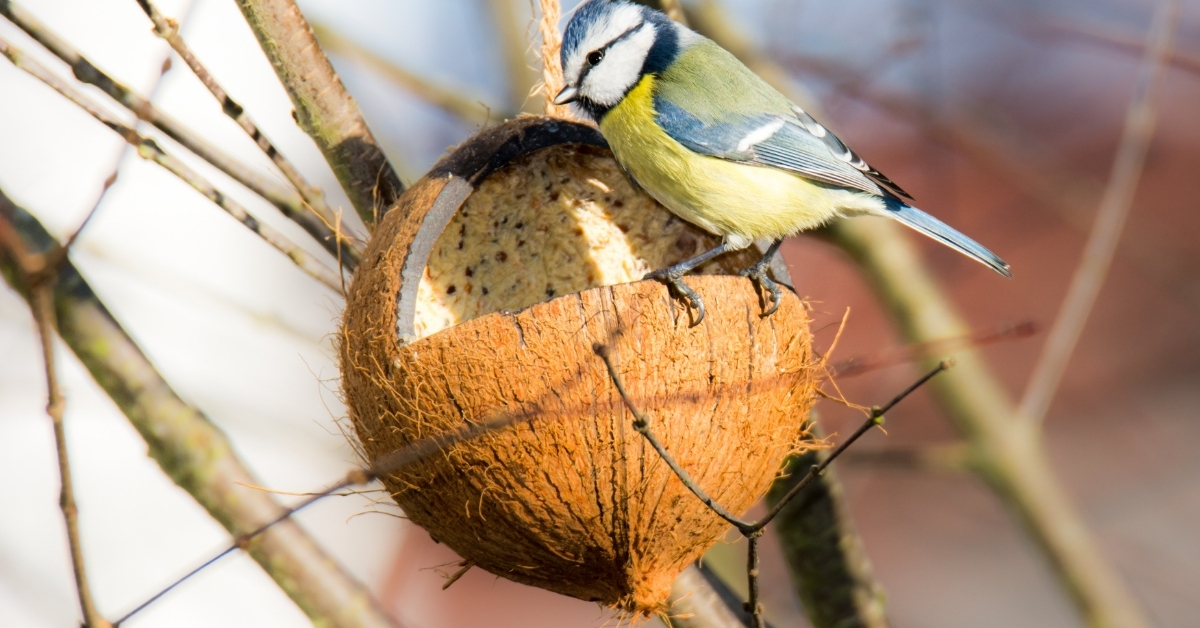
x,y
928,458
43,309
465,107
1006,455
642,424
87,219
190,449
905,354
463,568
830,570
874,419
1019,157
38,277
149,149
701,601
285,199
752,530
405,456
168,29
1095,31
752,603
323,107
1110,220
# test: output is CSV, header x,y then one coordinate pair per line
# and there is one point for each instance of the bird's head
x,y
608,46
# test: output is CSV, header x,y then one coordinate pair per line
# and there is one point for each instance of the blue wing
x,y
795,143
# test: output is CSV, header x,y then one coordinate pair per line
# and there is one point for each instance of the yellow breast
x,y
723,197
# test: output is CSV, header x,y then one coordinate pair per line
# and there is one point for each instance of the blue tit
x,y
719,147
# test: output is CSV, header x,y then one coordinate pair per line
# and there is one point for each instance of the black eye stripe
x,y
604,49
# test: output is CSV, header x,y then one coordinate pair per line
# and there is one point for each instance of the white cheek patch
x,y
607,83
615,22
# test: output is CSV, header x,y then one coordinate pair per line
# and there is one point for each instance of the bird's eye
x,y
595,57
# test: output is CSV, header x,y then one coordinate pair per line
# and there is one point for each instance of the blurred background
x,y
1001,117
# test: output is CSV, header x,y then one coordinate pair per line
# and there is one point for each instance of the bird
x,y
717,146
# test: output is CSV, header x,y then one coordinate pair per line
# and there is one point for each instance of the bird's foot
x,y
673,278
764,285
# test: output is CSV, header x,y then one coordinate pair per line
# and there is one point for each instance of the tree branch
x,y
698,601
324,109
752,530
149,149
189,448
1005,453
286,200
1110,220
466,107
407,455
37,275
824,553
1017,156
953,457
168,29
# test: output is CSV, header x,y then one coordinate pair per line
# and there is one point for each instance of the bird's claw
x,y
678,288
764,285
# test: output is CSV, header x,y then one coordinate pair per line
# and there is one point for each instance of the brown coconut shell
x,y
570,498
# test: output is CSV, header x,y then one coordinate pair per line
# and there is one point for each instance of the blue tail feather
x,y
945,234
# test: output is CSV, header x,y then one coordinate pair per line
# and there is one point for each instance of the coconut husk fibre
x,y
571,498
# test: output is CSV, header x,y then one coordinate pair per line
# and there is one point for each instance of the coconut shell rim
x,y
464,169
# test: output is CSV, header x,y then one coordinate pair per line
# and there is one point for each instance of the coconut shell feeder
x,y
481,295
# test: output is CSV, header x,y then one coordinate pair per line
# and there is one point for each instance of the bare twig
x,y
874,419
168,29
1009,457
190,449
149,149
463,568
829,566
408,455
37,275
552,72
87,219
856,366
467,108
323,107
1005,453
1020,158
697,601
285,199
934,458
752,603
752,530
1110,220
1051,23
